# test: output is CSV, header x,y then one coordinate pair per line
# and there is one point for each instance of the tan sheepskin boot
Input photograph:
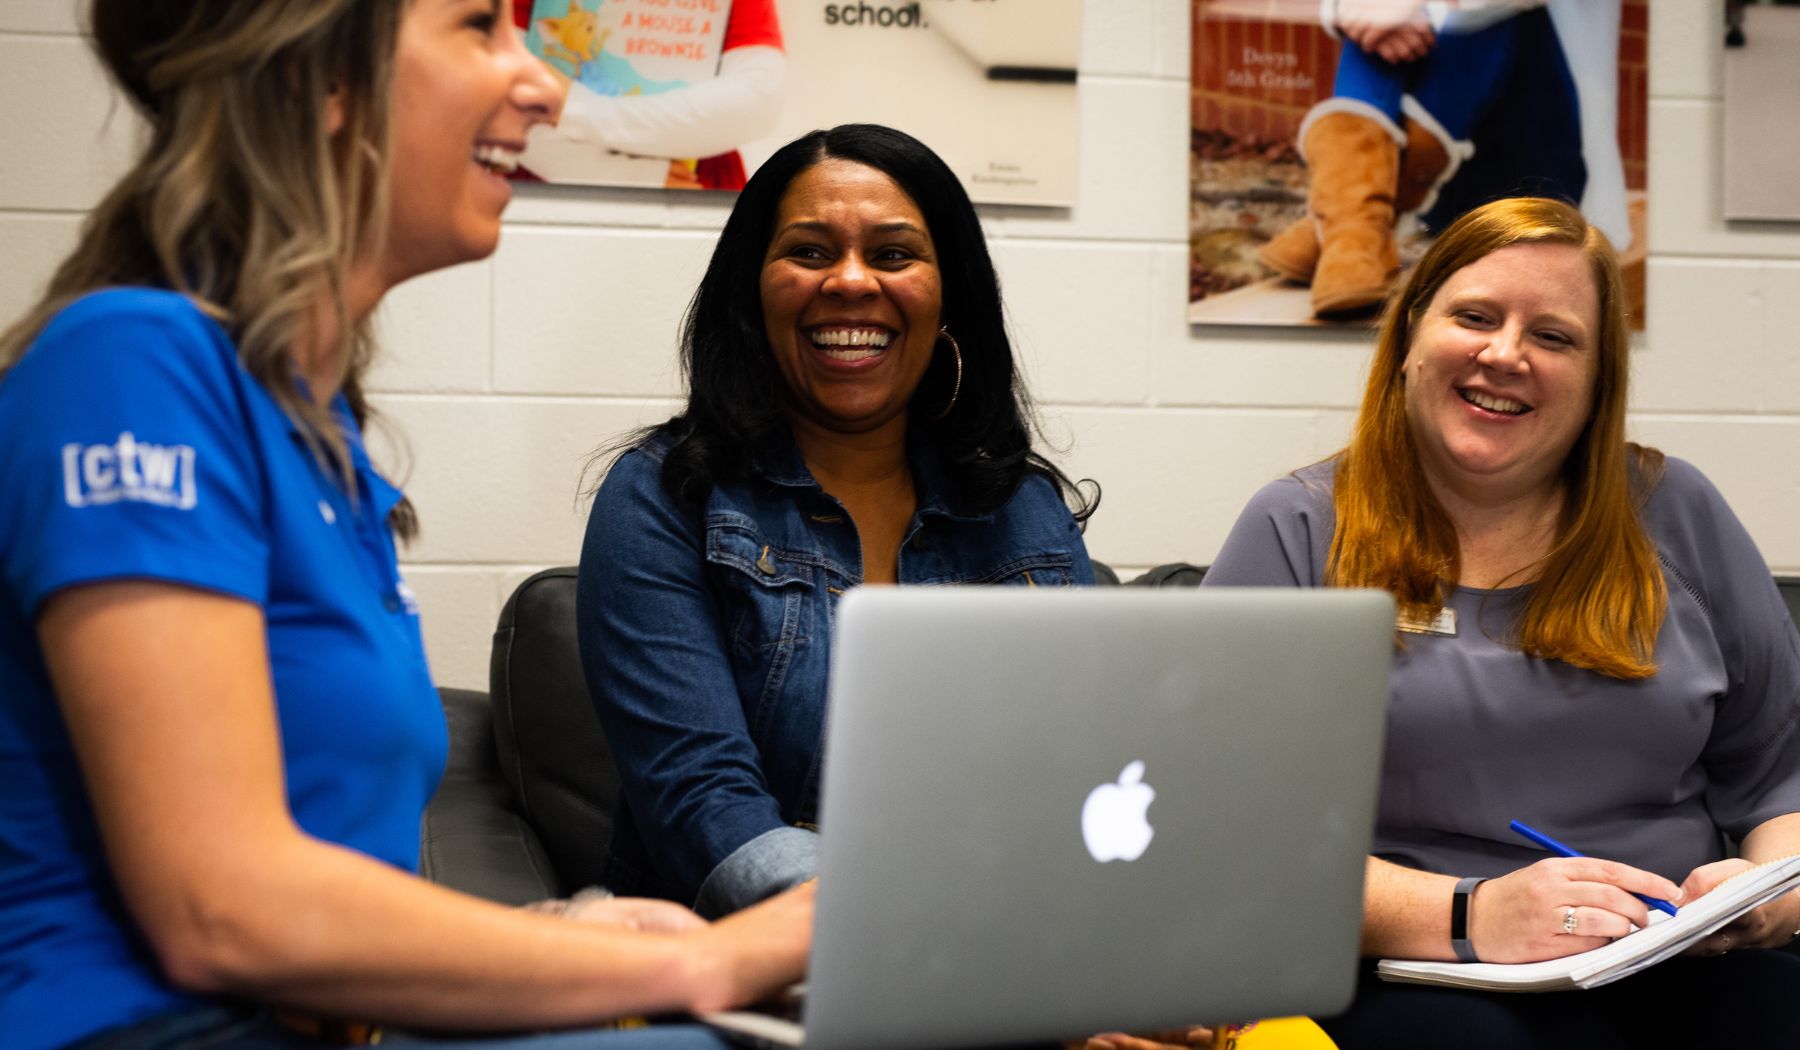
x,y
1424,166
1294,252
1355,168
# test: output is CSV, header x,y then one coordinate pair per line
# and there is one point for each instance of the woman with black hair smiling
x,y
853,416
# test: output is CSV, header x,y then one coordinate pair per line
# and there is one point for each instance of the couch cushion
x,y
1174,574
551,748
471,838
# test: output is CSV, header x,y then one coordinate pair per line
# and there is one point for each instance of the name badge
x,y
1444,623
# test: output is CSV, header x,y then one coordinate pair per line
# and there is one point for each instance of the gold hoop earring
x,y
956,388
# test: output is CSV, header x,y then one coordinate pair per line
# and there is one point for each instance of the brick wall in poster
x,y
1634,90
1259,65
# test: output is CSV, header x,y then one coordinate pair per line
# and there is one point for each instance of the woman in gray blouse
x,y
1588,642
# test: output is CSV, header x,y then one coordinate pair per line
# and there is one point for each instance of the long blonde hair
x,y
1600,597
244,198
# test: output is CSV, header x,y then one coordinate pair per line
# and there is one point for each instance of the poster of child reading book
x,y
693,94
1329,141
657,92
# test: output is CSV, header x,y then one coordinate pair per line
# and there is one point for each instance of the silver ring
x,y
1569,920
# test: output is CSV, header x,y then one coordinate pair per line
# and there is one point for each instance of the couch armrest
x,y
471,838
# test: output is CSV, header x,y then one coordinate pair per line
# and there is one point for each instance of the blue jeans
x,y
1456,83
245,1028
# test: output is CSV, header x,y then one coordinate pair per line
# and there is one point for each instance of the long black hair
x,y
736,394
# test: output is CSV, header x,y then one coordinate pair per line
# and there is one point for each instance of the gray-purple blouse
x,y
1646,772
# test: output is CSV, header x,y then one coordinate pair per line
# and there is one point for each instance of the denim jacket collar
x,y
782,464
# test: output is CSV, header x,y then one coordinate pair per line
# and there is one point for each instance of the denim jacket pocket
x,y
735,542
765,593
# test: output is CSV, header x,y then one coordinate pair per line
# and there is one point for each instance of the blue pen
x,y
1563,851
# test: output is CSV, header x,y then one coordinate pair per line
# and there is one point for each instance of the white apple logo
x,y
1112,820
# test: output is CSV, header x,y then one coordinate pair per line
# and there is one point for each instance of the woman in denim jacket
x,y
853,416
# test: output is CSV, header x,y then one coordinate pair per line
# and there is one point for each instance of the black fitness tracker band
x,y
1459,919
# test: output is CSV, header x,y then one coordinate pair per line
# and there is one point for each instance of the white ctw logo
x,y
128,469
1112,821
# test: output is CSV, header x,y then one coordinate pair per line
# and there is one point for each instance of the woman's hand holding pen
x,y
1560,906
1771,926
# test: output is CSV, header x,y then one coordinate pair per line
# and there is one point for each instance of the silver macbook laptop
x,y
1048,814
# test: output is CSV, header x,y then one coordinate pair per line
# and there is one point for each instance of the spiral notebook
x,y
1666,936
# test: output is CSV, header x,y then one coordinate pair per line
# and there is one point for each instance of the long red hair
x,y
1600,598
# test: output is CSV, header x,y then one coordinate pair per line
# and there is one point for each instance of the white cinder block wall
x,y
501,375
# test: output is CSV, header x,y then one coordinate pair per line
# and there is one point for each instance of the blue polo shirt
x,y
134,445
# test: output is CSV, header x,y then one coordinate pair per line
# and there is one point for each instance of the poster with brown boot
x,y
1330,140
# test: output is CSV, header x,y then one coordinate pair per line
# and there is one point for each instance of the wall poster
x,y
1762,139
1328,141
694,94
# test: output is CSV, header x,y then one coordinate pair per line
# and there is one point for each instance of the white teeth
x,y
1493,404
499,158
850,337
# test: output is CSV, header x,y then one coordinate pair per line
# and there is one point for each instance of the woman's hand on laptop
x,y
594,905
1169,1039
758,951
740,959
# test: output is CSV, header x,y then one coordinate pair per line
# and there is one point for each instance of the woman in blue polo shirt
x,y
217,730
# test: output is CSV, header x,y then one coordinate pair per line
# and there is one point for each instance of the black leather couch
x,y
525,808
524,812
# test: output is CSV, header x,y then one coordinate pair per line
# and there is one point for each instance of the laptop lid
x,y
1049,814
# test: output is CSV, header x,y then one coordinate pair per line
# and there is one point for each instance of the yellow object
x,y
1281,1033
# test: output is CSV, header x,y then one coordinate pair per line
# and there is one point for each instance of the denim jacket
x,y
706,636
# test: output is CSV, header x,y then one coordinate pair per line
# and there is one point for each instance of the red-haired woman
x,y
1589,642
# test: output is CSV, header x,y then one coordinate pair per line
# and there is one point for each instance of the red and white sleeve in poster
x,y
652,87
754,23
695,93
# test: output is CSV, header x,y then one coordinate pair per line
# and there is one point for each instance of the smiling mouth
x,y
850,344
496,158
1502,405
